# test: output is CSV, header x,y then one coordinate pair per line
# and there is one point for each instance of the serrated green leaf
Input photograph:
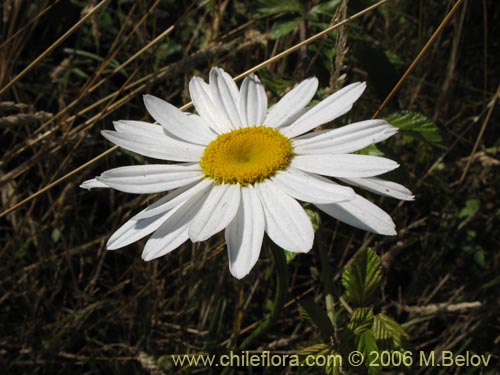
x,y
333,363
388,333
366,345
361,320
314,217
317,316
274,83
280,29
362,278
314,349
416,123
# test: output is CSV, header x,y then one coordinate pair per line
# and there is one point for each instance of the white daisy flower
x,y
242,168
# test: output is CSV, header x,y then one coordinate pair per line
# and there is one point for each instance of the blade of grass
x,y
480,135
52,47
417,59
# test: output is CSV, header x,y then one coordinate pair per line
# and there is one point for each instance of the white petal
x,y
162,148
245,233
139,128
216,213
344,165
206,107
189,128
311,188
287,224
158,135
293,102
226,97
290,120
382,187
151,178
174,231
93,183
344,140
176,197
135,229
253,101
327,110
362,214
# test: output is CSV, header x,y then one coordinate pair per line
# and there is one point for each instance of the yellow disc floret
x,y
247,155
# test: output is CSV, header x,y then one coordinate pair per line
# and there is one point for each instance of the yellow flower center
x,y
247,155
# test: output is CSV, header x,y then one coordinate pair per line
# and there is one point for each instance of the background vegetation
x,y
67,306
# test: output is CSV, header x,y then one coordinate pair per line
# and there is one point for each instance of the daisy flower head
x,y
241,167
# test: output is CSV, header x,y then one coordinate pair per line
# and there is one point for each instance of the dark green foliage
x,y
416,124
362,279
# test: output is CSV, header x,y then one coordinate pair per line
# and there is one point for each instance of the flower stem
x,y
279,299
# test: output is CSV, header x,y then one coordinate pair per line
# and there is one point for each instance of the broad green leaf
x,y
332,360
362,278
366,345
416,123
315,349
334,363
311,311
361,320
281,29
388,333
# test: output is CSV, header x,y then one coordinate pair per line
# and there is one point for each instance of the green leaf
x,y
388,333
361,320
371,150
315,349
314,217
417,124
281,29
333,359
480,258
275,83
290,255
315,314
273,7
326,8
362,278
334,363
366,345
471,207
56,235
79,52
